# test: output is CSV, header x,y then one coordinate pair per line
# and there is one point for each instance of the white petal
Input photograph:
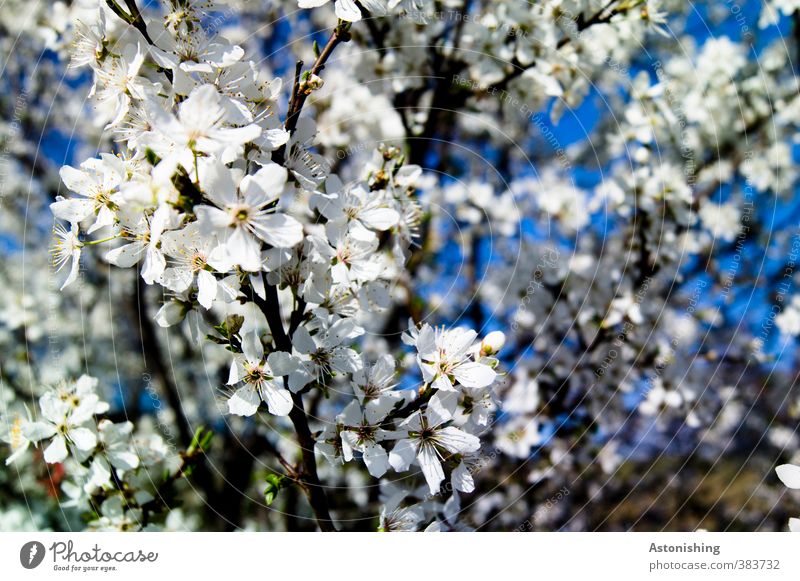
x,y
56,451
236,372
789,475
177,279
303,341
244,250
126,255
36,431
402,455
279,401
431,467
83,438
349,442
99,473
76,180
471,374
169,314
376,7
206,288
347,10
265,185
377,409
458,341
153,265
72,210
281,363
73,271
252,347
123,459
462,479
376,459
244,402
299,378
210,219
426,341
280,230
380,218
442,407
457,441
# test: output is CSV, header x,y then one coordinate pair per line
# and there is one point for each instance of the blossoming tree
x,y
398,265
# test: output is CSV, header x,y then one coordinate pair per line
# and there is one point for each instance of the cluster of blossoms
x,y
105,469
212,199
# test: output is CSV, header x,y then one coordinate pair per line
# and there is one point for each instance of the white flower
x,y
193,257
324,353
622,308
88,42
146,237
65,425
376,380
202,126
351,258
361,433
67,248
119,81
400,519
348,10
722,220
12,433
789,320
426,439
258,377
444,358
95,182
356,209
517,436
241,217
114,450
114,516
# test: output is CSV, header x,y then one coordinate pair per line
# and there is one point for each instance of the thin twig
x,y
136,20
298,98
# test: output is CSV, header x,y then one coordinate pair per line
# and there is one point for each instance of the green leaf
x,y
275,482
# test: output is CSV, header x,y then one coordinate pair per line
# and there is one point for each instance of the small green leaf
x,y
274,484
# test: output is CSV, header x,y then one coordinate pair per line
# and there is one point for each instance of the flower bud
x,y
311,83
492,343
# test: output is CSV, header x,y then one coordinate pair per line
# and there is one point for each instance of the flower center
x,y
239,215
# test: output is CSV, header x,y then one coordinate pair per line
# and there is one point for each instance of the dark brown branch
x,y
135,19
299,95
308,477
152,354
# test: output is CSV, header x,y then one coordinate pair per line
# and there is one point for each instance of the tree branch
x,y
298,97
135,19
151,350
308,477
